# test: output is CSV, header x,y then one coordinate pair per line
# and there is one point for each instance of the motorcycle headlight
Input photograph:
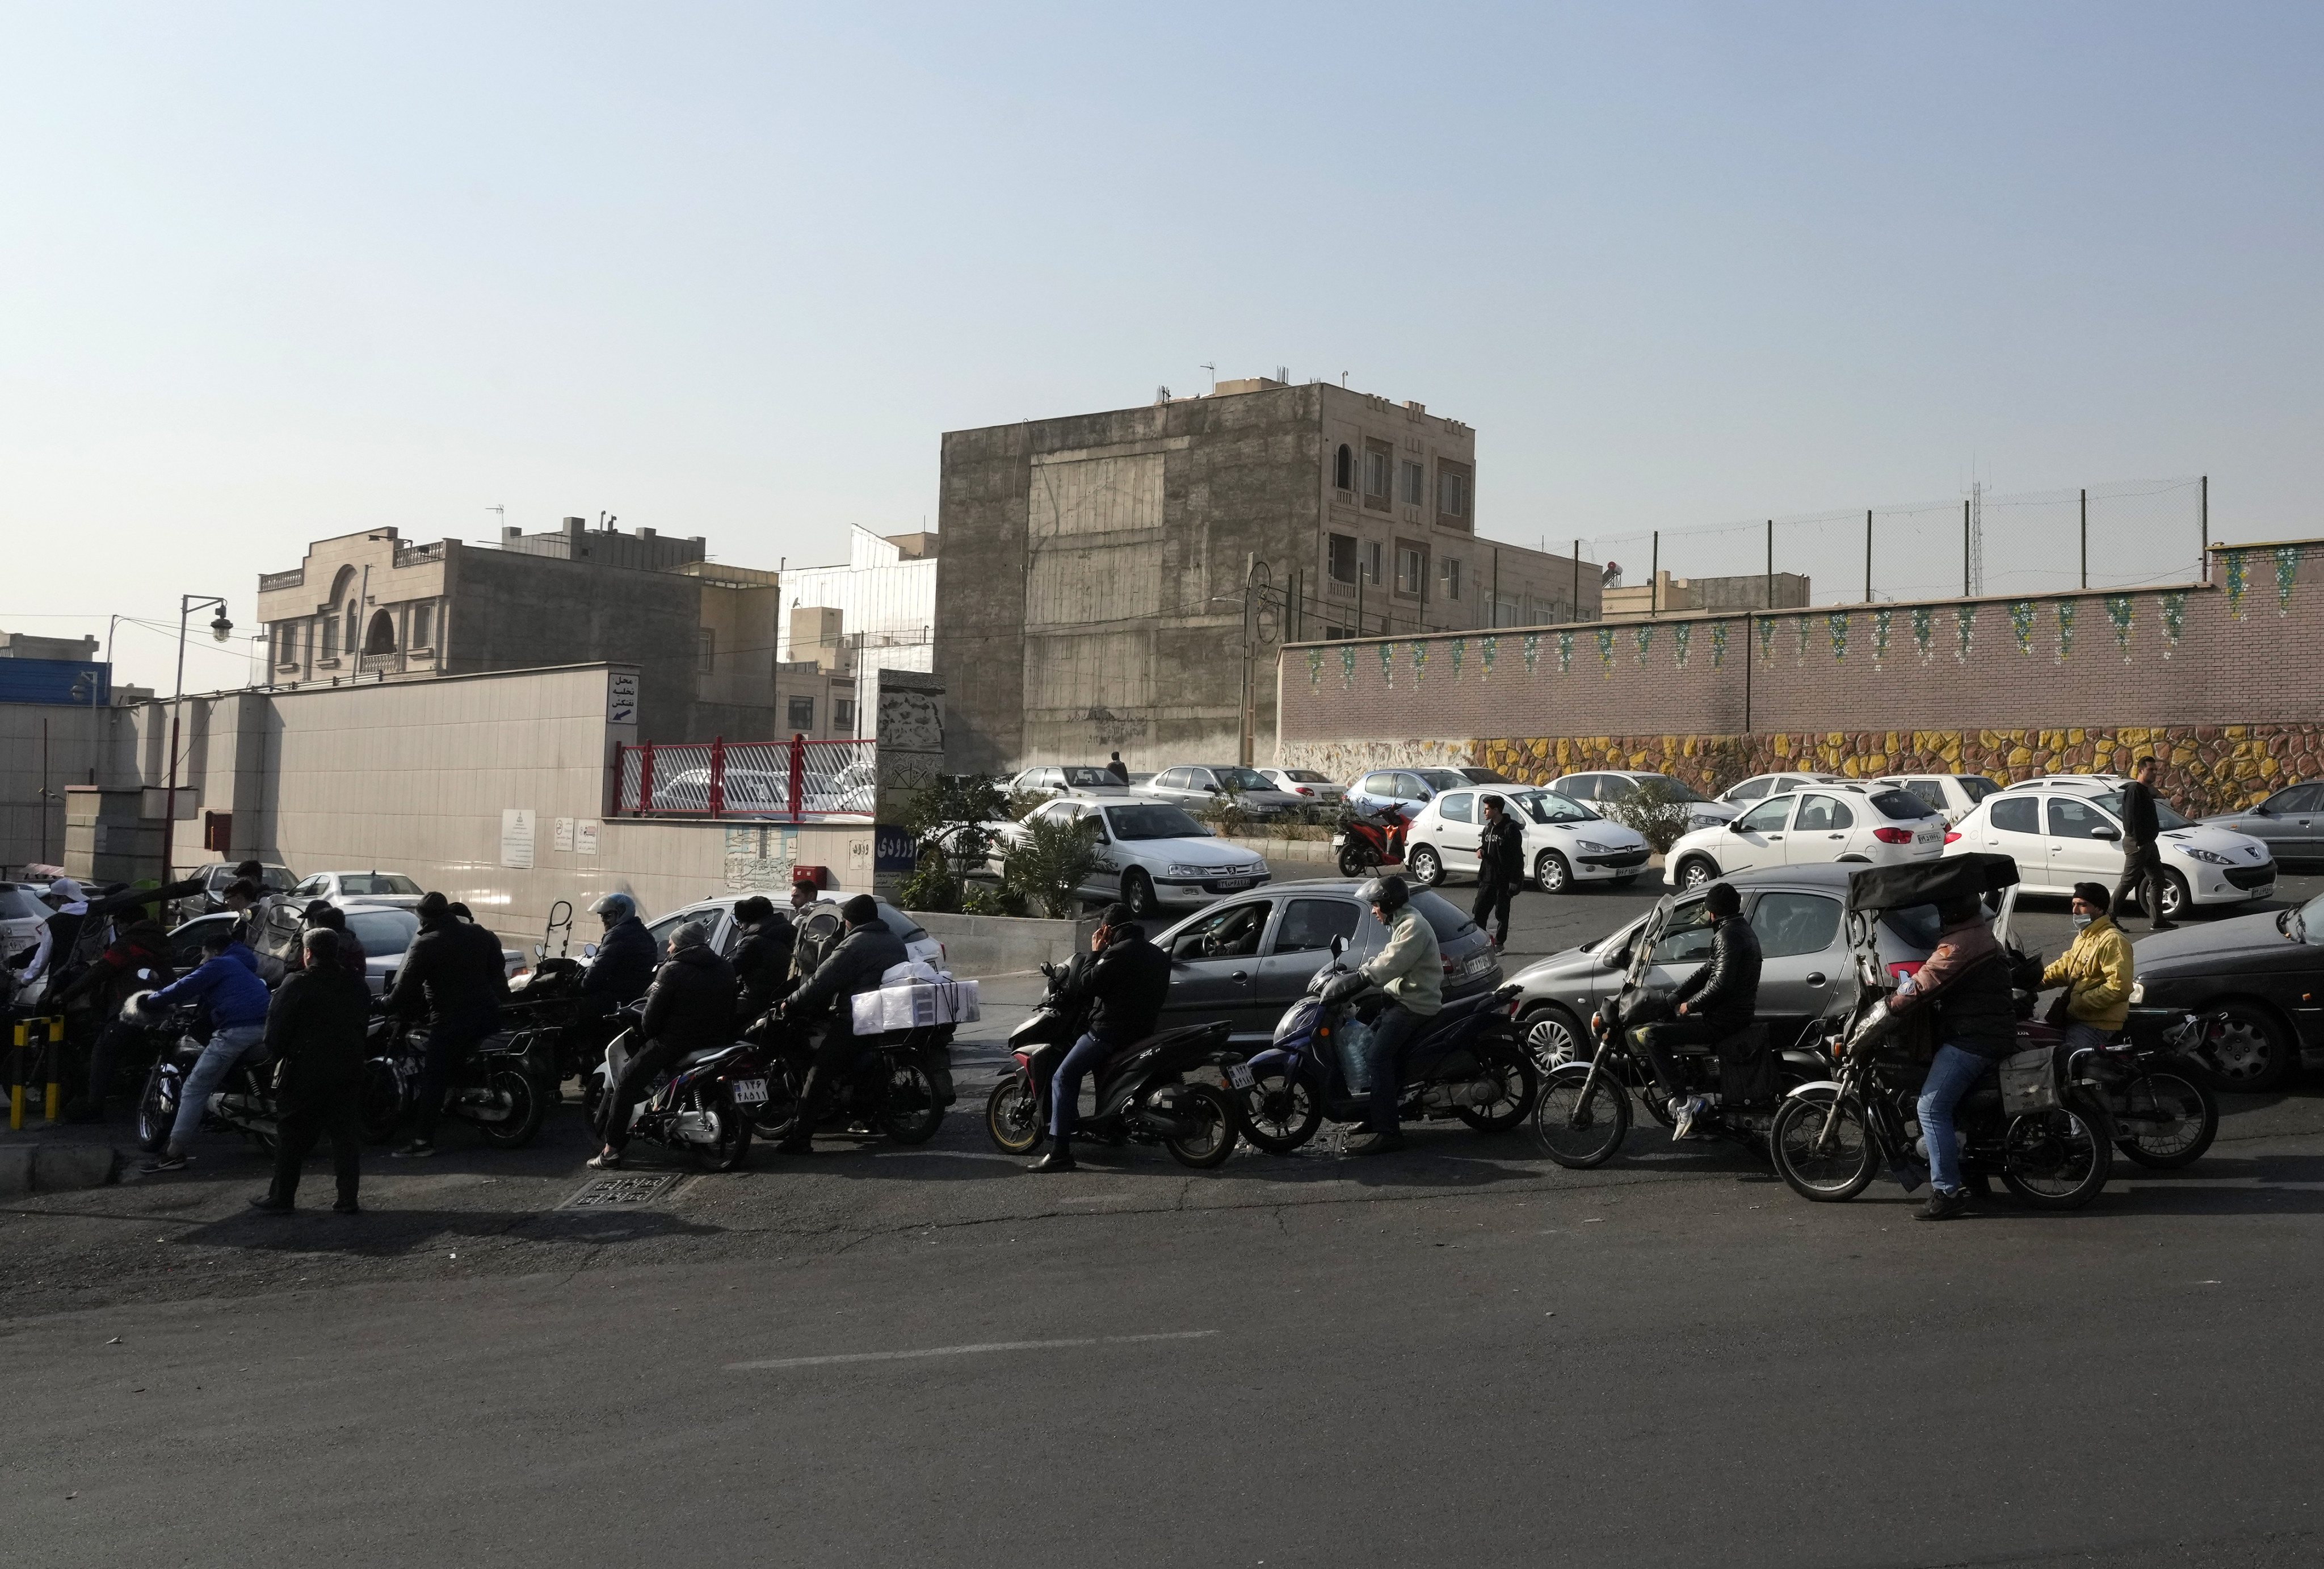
x,y
2208,857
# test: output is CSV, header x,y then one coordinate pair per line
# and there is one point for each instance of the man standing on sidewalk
x,y
1501,869
2141,857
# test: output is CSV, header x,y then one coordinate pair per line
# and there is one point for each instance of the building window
x,y
1342,556
423,625
802,714
1371,554
1452,494
707,649
1448,573
843,714
381,638
1343,468
1415,484
1379,464
1411,570
331,637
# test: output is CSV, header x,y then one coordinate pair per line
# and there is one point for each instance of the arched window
x,y
381,639
1344,469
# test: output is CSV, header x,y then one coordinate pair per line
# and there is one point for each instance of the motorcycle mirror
x,y
1338,946
588,950
541,950
144,974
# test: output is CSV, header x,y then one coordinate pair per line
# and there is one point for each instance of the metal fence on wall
x,y
795,780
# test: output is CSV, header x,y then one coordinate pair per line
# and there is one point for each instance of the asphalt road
x,y
1456,1354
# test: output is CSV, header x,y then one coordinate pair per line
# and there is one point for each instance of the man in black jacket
x,y
1124,984
144,946
762,959
315,1034
2142,855
1501,868
625,963
446,970
1719,999
827,1002
689,1006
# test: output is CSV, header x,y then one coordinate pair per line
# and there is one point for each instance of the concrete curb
x,y
56,1167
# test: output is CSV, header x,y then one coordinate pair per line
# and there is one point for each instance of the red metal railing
x,y
797,781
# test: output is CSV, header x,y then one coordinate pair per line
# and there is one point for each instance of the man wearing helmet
x,y
1411,970
624,964
690,1006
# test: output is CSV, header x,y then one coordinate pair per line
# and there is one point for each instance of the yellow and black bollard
x,y
16,1079
56,1067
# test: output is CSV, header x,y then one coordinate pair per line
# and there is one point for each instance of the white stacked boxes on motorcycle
x,y
917,1005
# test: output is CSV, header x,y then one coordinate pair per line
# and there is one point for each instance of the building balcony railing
x,y
268,582
411,555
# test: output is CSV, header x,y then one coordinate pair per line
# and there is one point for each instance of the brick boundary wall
x,y
2224,682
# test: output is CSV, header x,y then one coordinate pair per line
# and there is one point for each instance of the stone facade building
x,y
1099,568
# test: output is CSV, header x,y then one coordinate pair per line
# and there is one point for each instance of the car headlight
x,y
2208,857
2137,992
1187,870
1592,847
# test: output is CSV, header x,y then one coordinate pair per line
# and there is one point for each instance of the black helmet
x,y
1389,892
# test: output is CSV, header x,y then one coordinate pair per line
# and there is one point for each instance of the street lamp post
x,y
220,629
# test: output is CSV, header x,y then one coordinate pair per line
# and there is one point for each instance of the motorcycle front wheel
x,y
1279,1114
2052,1160
729,1143
1012,1116
911,1113
1824,1156
1215,1129
2166,1122
157,1109
526,1108
1581,1120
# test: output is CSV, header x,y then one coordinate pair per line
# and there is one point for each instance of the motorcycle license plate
x,y
1238,1075
749,1092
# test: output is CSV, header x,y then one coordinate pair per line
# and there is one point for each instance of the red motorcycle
x,y
1368,841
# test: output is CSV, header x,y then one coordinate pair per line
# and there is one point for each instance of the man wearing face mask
x,y
2097,972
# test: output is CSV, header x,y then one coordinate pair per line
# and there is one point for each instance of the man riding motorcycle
x,y
1124,984
624,966
2097,971
1967,981
689,1006
1719,999
462,989
762,959
854,964
1410,968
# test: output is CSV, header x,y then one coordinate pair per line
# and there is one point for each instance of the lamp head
x,y
220,627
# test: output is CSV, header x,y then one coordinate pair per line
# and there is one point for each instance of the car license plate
x,y
1478,963
1231,884
1239,1074
749,1092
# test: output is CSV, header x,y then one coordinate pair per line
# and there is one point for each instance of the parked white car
x,y
2062,832
1760,785
1151,855
1191,786
1811,825
1306,783
1057,778
373,887
725,932
762,792
1956,795
1610,788
1565,842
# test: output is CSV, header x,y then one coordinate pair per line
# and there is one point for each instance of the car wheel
x,y
2250,1049
1697,872
1551,872
2176,899
1426,868
1554,1036
1138,893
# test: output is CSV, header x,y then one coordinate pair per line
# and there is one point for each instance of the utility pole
x,y
1771,563
220,629
2086,536
1868,555
1965,594
1654,577
2203,526
1577,586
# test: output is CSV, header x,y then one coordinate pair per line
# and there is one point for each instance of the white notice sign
x,y
622,697
516,837
584,836
560,833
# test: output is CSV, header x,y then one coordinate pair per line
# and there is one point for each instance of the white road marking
x,y
964,1351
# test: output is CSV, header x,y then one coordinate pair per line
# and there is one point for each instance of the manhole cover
x,y
623,1192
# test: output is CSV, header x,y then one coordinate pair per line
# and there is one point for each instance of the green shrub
x,y
1657,810
1048,865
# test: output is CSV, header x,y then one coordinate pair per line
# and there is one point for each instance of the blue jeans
x,y
227,1047
1065,1088
1952,1074
1395,1025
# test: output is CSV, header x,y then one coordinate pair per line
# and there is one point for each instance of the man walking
x,y
315,1034
444,970
2141,857
1501,869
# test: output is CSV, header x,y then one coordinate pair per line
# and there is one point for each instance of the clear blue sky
x,y
271,273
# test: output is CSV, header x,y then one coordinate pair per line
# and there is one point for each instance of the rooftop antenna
x,y
503,513
1343,378
1214,375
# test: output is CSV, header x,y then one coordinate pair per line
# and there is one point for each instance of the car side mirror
x,y
1621,959
1734,825
2261,810
2103,832
588,950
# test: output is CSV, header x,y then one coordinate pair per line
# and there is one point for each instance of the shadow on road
x,y
390,1232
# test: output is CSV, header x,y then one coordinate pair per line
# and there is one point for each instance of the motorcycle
x,y
242,1103
899,1083
1469,1062
702,1106
503,1088
1143,1092
2037,1119
1368,840
2164,1113
1583,1113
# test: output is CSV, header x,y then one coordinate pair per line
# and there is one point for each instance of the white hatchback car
x,y
1306,783
2064,830
375,887
1816,824
1760,785
1151,853
1565,842
1955,795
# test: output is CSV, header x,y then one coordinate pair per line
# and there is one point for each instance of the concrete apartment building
x,y
1669,595
1090,596
875,613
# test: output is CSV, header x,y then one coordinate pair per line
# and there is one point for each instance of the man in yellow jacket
x,y
2096,970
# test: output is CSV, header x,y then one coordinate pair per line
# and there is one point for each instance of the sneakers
x,y
165,1161
1943,1205
1686,1109
418,1149
605,1160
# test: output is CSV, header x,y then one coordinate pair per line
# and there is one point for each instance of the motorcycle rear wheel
x,y
1843,1167
1215,1126
911,1113
775,1115
157,1110
732,1146
526,1109
1012,1116
1279,1114
1512,1068
2167,1121
1357,860
2053,1160
1581,1122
